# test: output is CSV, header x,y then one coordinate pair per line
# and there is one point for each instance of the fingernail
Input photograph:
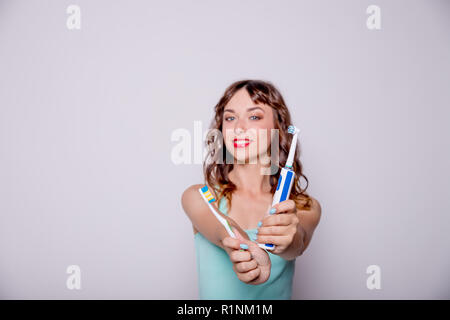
x,y
244,246
272,211
269,245
259,224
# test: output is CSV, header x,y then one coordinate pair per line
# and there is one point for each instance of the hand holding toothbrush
x,y
252,266
282,232
250,263
281,227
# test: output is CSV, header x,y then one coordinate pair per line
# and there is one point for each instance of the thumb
x,y
259,254
238,234
241,236
237,230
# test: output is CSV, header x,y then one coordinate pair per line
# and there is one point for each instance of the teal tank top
x,y
217,280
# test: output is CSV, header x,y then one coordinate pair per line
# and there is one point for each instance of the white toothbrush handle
x,y
221,219
224,222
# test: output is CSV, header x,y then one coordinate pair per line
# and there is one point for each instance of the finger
x,y
275,240
240,256
249,276
273,230
239,235
277,220
259,255
237,230
231,243
243,240
285,206
246,266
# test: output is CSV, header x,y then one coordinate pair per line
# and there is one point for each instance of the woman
x,y
230,268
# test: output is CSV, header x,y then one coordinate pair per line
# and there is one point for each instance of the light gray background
x,y
86,119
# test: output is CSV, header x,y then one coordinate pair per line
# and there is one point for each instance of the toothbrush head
x,y
290,160
293,129
209,197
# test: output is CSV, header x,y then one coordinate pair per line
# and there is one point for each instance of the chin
x,y
246,160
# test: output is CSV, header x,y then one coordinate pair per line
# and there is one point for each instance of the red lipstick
x,y
241,143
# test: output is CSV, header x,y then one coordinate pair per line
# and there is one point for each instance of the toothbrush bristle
x,y
207,194
291,129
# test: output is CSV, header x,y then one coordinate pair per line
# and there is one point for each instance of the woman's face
x,y
246,127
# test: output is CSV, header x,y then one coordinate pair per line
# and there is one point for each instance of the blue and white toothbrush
x,y
286,178
208,197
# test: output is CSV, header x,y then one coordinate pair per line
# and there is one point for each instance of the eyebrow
x,y
249,109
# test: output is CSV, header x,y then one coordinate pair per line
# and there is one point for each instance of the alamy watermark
x,y
210,146
73,281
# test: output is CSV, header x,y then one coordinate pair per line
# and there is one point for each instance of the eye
x,y
227,118
257,118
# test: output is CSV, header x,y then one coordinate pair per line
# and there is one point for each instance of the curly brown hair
x,y
216,172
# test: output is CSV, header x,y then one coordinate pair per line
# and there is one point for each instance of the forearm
x,y
203,220
221,233
213,230
296,247
236,229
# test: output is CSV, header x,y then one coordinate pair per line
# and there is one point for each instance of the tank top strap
x,y
222,202
223,206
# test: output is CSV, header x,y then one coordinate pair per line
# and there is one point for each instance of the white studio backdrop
x,y
88,110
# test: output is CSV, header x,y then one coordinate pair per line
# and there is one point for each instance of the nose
x,y
240,127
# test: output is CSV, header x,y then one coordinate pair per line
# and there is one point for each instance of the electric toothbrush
x,y
287,175
286,178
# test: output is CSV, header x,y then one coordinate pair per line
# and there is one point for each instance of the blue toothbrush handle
x,y
283,190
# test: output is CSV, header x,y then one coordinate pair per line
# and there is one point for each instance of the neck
x,y
249,179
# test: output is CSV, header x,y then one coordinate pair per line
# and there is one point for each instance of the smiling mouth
x,y
241,143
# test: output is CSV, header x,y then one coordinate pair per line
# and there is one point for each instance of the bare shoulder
x,y
316,206
193,203
309,220
190,201
190,197
311,216
316,211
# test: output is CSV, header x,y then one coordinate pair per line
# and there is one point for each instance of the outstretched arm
x,y
203,219
252,265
